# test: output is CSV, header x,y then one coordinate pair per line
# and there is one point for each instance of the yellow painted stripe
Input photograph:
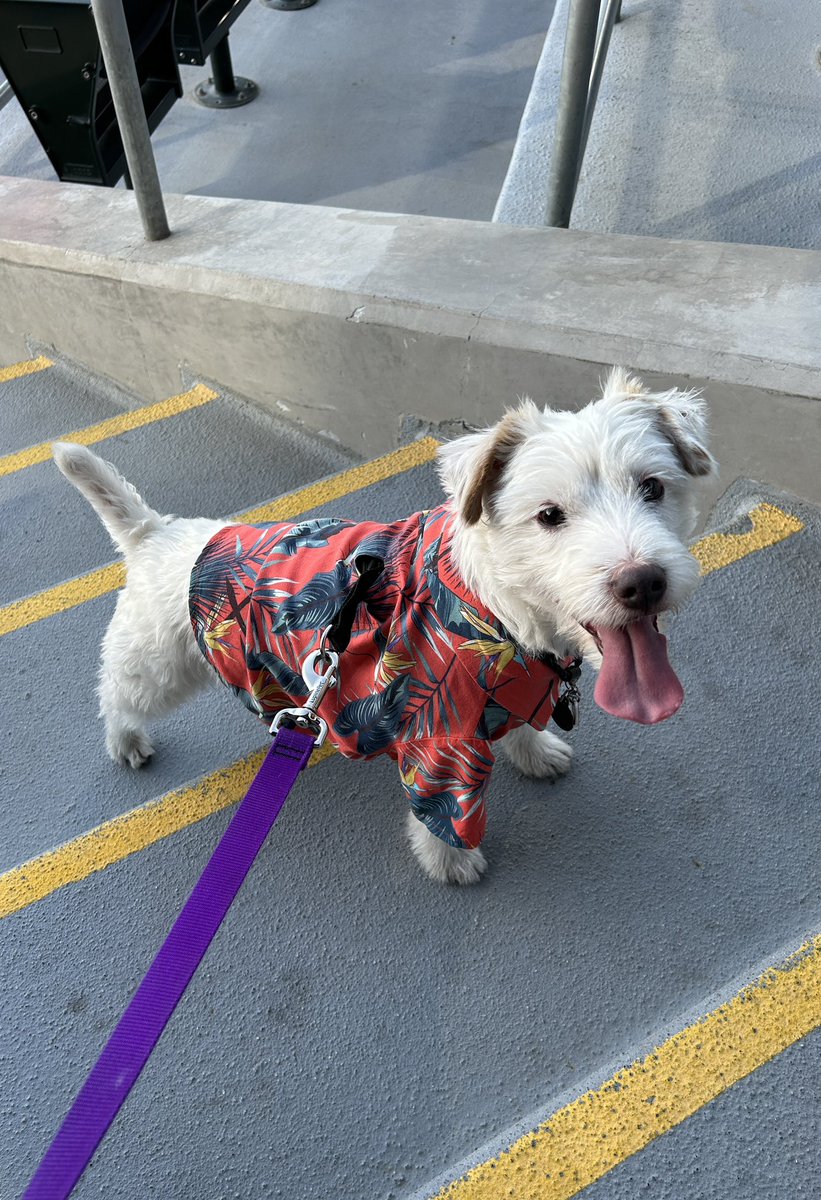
x,y
59,599
586,1139
30,367
20,613
122,423
131,832
769,526
353,480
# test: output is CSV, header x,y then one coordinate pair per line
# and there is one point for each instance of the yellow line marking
x,y
133,831
352,480
122,423
59,599
30,367
583,1141
770,525
106,579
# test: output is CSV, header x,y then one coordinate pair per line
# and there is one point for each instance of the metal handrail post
x,y
612,15
579,46
115,46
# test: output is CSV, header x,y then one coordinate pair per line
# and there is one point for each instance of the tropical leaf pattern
x,y
216,636
375,719
314,605
430,676
499,650
391,663
309,535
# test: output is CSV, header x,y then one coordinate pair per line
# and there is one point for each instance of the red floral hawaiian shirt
x,y
430,677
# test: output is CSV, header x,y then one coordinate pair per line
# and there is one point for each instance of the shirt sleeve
x,y
445,780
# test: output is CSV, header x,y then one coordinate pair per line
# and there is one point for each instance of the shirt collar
x,y
462,613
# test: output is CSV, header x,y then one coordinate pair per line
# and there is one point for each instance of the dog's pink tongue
x,y
636,680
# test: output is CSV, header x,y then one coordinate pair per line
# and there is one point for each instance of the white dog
x,y
564,535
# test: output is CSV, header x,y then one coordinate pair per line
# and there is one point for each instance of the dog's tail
x,y
117,503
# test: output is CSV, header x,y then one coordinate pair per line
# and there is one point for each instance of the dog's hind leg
x,y
539,755
144,674
127,693
150,659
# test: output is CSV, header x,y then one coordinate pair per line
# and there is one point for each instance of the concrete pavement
x,y
705,128
376,327
356,1030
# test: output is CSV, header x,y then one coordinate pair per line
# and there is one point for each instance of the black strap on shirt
x,y
368,568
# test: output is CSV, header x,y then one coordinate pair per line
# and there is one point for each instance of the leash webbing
x,y
142,1023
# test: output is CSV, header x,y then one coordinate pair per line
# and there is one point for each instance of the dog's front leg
x,y
539,755
444,863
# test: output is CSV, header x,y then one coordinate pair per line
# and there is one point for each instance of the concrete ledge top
x,y
738,313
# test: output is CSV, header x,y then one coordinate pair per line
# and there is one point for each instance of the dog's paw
x,y
129,748
444,863
539,755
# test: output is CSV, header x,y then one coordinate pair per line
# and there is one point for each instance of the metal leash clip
x,y
306,716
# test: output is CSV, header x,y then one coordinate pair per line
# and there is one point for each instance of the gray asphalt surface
x,y
356,1030
757,1139
217,455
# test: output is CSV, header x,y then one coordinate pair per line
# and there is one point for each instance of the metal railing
x,y
121,72
589,25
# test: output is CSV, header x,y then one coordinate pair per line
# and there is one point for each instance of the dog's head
x,y
572,527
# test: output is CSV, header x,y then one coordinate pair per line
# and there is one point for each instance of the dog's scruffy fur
x,y
550,508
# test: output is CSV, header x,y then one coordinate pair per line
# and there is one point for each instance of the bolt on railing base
x,y
244,92
288,5
224,89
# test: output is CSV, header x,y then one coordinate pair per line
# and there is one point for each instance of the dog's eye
x,y
651,489
551,515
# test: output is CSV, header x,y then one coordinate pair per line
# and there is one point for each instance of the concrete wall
x,y
372,327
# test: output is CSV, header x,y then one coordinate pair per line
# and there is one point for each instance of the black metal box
x,y
50,54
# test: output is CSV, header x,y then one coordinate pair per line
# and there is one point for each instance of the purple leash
x,y
139,1029
140,1026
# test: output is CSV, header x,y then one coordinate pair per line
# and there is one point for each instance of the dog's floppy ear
x,y
471,467
682,418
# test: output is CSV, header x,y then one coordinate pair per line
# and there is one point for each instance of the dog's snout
x,y
640,586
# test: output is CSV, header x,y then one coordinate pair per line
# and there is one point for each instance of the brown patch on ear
x,y
509,434
693,457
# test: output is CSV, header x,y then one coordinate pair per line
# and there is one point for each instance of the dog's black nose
x,y
640,586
